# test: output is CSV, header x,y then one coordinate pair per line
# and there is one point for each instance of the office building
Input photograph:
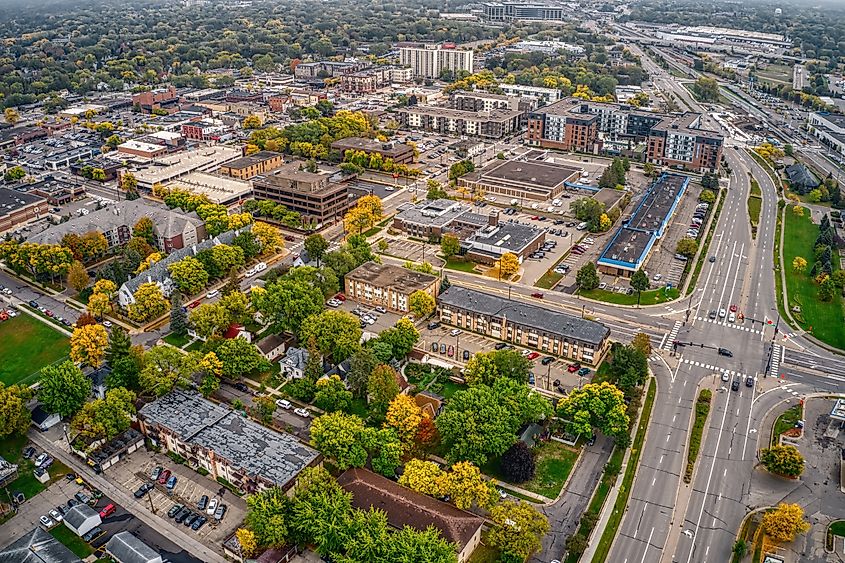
x,y
524,324
387,285
829,129
534,180
170,167
217,188
160,98
544,96
399,153
247,167
429,61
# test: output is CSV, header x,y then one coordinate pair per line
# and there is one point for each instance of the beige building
x,y
388,286
429,61
248,167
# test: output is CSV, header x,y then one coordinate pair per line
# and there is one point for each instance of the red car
x,y
48,312
340,297
107,511
162,479
535,218
537,295
533,355
572,368
733,308
194,305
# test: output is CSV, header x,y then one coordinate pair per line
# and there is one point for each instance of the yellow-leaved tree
x,y
88,344
404,416
785,522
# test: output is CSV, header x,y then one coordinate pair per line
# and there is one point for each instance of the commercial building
x,y
371,79
217,188
172,229
525,11
490,242
532,180
524,324
168,168
206,130
19,208
387,285
124,547
317,196
400,153
326,69
141,149
219,440
628,250
829,129
544,95
37,546
432,219
404,507
429,61
593,127
493,124
247,167
160,98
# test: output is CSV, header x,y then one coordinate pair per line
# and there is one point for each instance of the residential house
x,y
430,403
8,472
293,364
43,420
81,519
124,547
272,346
37,546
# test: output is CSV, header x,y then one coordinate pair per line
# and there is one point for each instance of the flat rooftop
x,y
530,172
492,115
256,158
526,314
388,275
504,237
218,189
13,200
167,168
435,213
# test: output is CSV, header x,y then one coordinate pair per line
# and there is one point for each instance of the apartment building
x,y
680,143
371,79
429,61
829,129
248,167
317,196
326,69
387,285
524,324
525,11
493,124
544,96
160,98
227,445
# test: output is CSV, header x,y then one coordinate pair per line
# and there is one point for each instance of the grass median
x,y
702,410
652,297
612,527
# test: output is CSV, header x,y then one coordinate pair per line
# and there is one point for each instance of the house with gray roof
x,y
801,180
159,273
81,519
124,547
37,546
173,229
293,363
542,328
223,442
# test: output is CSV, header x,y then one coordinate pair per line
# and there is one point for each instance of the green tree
x,y
63,388
706,89
361,365
640,283
783,460
449,245
629,367
189,275
421,304
827,290
265,407
687,247
15,417
316,246
239,357
14,174
336,333
486,367
740,548
337,436
125,363
381,388
587,277
209,319
595,405
108,417
707,196
178,317
145,230
286,303
267,516
164,368
332,395
518,528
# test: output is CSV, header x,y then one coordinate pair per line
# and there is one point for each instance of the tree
x,y
88,344
164,367
15,417
642,343
466,486
108,417
267,516
799,265
424,477
337,333
518,528
449,245
269,238
14,174
421,304
783,460
706,89
649,169
189,275
381,388
687,247
629,367
63,388
404,416
798,210
486,367
129,184
587,277
740,548
785,522
639,282
247,541
316,245
251,121
265,407
149,303
77,276
336,436
508,264
99,304
209,319
517,463
178,317
123,360
212,369
240,357
707,196
145,230
400,339
332,395
482,421
11,115
827,289
361,365
595,405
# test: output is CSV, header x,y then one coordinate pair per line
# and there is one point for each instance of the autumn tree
x,y
687,246
449,245
799,265
189,275
382,388
15,417
145,229
88,344
642,343
785,522
518,528
251,121
77,276
508,264
247,542
211,369
421,304
467,487
107,417
149,303
63,388
404,416
424,477
269,238
783,460
11,115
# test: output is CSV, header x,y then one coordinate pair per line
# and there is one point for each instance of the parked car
x,y
442,348
434,346
242,387
735,385
47,522
433,325
547,360
466,355
171,483
584,372
202,504
572,368
163,476
191,518
156,472
212,506
108,510
220,512
500,346
56,515
141,491
533,355
28,452
174,510
455,332
212,294
182,514
91,535
198,523
41,459
304,413
749,381
537,295
284,404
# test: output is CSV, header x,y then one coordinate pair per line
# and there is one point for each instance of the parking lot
x,y
135,470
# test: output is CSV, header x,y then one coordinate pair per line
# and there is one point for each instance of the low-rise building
x,y
544,96
534,180
8,472
387,285
432,219
293,364
125,547
206,130
494,124
217,188
489,243
326,69
248,167
400,153
141,149
17,209
272,346
37,546
219,440
829,129
524,324
81,519
170,167
57,190
404,507
161,98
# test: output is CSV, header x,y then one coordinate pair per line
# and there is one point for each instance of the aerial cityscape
x,y
442,281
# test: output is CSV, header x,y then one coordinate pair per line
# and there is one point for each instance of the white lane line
x,y
647,544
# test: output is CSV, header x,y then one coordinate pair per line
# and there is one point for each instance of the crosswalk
x,y
722,322
673,334
711,367
778,352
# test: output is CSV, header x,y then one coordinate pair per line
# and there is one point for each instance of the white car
x,y
261,266
455,332
212,506
722,313
283,404
212,294
7,291
381,309
333,303
56,515
302,412
249,273
657,277
525,353
11,312
47,522
107,324
732,317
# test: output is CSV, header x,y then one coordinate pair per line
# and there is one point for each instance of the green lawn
x,y
554,464
72,541
652,297
11,449
484,554
786,421
176,340
450,388
824,320
195,345
755,203
26,346
838,528
460,265
548,280
702,409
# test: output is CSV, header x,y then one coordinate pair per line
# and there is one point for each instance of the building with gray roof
x,y
801,180
124,547
490,242
524,324
37,546
431,219
250,456
81,519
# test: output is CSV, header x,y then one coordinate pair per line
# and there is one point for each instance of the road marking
x,y
653,481
647,544
667,345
